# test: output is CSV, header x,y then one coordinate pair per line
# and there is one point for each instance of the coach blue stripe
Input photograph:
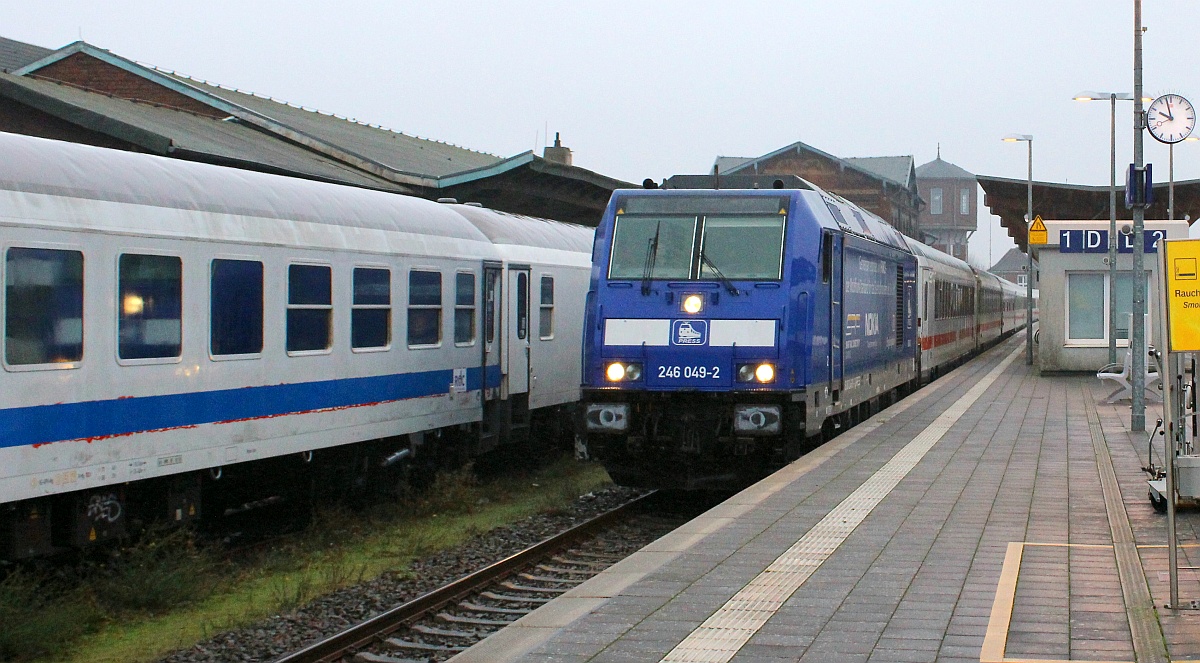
x,y
93,419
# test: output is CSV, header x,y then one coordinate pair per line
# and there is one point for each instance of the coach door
x,y
833,242
491,357
518,349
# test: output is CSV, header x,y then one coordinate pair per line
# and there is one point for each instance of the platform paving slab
x,y
929,574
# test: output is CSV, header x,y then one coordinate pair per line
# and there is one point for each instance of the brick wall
x,y
87,72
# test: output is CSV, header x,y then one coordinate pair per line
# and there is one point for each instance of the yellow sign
x,y
1181,258
1037,231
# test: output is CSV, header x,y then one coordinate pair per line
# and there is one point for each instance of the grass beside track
x,y
166,594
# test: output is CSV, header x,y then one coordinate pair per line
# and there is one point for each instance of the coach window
x,y
43,313
309,308
371,309
424,308
236,308
546,314
149,306
464,308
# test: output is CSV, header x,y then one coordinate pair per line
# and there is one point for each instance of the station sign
x,y
1096,241
1181,260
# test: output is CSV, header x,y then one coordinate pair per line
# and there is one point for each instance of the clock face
x,y
1170,118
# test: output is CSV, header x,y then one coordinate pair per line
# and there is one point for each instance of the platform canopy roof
x,y
162,112
1007,199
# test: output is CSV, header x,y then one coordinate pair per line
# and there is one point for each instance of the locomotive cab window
x,y
371,309
236,308
310,308
424,308
149,306
686,238
43,313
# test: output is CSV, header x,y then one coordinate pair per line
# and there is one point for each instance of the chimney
x,y
558,153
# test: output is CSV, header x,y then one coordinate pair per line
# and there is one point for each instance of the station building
x,y
885,186
85,94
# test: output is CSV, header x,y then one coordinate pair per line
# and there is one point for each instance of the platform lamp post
x,y
1113,98
1026,138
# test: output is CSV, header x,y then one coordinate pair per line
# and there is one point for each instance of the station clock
x,y
1170,118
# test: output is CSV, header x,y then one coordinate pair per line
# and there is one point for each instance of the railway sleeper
x,y
368,657
445,633
533,590
396,643
548,579
514,598
564,570
495,610
475,621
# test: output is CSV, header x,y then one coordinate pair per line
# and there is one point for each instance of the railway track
x,y
438,625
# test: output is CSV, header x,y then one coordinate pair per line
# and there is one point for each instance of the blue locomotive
x,y
729,331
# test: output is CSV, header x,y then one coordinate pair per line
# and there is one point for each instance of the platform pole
x,y
1137,341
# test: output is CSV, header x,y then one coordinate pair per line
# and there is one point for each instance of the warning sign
x,y
1182,260
1037,231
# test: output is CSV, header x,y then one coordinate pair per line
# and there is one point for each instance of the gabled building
x,y
887,186
949,217
89,95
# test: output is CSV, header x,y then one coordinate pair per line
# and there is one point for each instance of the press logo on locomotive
x,y
690,332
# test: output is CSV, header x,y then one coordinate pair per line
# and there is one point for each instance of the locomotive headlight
x,y
693,303
763,373
745,373
615,372
622,372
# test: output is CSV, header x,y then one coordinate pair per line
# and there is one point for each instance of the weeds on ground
x,y
39,613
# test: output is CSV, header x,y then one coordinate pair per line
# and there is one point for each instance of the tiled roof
x,y
939,169
398,151
16,54
160,129
896,169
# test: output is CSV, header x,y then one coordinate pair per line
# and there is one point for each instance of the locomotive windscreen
x,y
699,238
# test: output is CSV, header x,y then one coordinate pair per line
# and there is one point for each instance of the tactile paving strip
x,y
733,624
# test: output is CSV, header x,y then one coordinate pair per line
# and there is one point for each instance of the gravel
x,y
335,612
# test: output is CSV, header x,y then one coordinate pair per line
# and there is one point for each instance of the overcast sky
x,y
651,89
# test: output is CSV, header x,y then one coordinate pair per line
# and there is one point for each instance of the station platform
x,y
993,516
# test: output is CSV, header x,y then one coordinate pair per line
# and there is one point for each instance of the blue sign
x,y
1096,241
689,332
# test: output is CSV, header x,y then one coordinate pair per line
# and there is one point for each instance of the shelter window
x,y
309,308
1087,307
464,308
236,307
371,309
149,306
546,313
935,201
43,313
424,308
